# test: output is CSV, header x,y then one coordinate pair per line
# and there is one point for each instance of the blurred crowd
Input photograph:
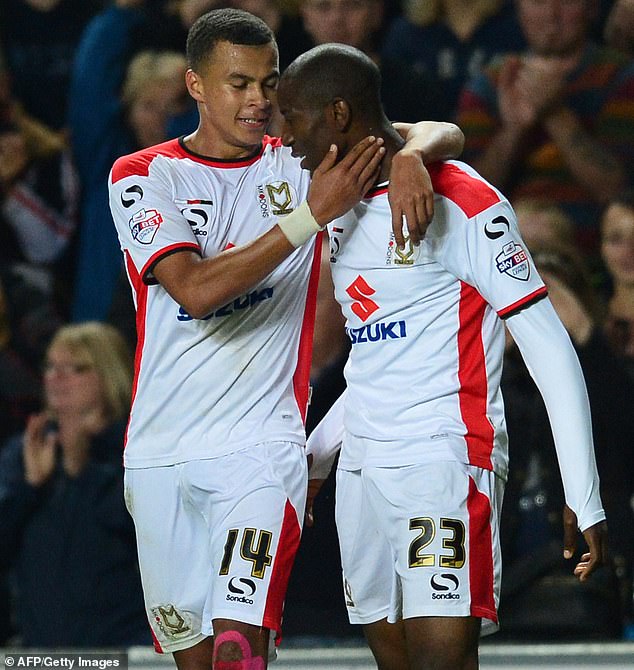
x,y
544,92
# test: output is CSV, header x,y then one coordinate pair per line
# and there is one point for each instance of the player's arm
x,y
552,362
322,447
201,285
411,193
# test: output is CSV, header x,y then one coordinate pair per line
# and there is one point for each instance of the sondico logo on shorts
x,y
444,584
172,622
241,588
277,198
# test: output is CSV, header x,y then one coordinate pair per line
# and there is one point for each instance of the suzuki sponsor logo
x,y
239,304
378,332
445,585
360,291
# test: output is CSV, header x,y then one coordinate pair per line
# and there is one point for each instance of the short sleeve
x,y
487,252
148,222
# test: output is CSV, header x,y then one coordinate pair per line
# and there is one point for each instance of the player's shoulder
x,y
138,163
462,185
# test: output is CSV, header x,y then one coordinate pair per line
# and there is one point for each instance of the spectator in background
x,y
452,40
407,95
535,580
619,27
556,122
116,107
40,38
166,22
617,250
290,36
64,528
38,195
543,224
19,383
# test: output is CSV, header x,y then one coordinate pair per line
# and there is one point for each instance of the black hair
x,y
224,25
332,71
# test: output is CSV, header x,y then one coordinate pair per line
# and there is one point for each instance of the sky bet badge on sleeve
x,y
513,261
144,225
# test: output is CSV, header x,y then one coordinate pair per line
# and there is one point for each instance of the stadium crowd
x,y
548,118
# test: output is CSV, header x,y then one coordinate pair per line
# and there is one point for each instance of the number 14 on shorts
x,y
257,552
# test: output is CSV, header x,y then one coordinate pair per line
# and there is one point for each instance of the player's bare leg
x,y
387,643
442,643
198,657
239,646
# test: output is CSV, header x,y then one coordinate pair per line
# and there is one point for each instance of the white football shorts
x,y
420,540
217,538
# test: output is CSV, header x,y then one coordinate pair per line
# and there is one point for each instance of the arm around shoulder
x,y
432,140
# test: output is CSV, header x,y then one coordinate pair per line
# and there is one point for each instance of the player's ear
x,y
341,114
194,85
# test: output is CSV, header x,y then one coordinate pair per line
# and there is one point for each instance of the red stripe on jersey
x,y
471,194
480,554
527,300
138,163
284,558
472,376
141,290
301,378
166,251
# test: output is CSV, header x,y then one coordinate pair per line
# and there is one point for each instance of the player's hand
x,y
597,539
337,187
39,450
314,486
411,196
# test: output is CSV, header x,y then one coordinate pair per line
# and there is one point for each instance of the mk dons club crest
x,y
513,262
276,199
171,621
406,256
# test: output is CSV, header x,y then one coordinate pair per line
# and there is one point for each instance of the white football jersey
x,y
424,322
239,376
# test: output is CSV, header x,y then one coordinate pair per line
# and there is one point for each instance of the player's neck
x,y
201,144
393,144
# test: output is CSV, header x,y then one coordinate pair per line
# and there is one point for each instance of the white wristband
x,y
300,225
